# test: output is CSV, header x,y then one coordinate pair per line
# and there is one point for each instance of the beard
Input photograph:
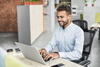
x,y
64,23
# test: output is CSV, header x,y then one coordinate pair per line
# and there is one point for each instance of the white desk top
x,y
96,25
52,62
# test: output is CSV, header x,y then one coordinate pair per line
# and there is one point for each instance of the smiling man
x,y
68,37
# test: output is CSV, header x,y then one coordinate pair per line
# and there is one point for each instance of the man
x,y
68,37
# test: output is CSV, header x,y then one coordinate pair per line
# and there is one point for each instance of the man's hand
x,y
52,55
43,52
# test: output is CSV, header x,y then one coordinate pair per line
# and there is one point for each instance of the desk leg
x,y
99,34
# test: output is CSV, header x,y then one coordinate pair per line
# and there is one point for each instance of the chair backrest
x,y
88,37
82,23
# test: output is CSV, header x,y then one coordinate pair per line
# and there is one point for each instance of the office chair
x,y
88,35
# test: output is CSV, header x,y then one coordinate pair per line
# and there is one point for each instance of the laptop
x,y
31,52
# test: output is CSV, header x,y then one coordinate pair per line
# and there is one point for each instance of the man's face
x,y
63,18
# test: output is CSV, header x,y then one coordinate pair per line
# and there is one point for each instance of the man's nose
x,y
59,19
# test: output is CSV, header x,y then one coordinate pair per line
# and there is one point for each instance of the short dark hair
x,y
64,7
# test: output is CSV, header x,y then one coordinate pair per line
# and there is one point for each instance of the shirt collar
x,y
69,26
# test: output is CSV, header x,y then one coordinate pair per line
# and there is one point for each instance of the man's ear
x,y
69,17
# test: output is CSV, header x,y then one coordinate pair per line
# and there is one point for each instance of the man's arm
x,y
45,51
51,45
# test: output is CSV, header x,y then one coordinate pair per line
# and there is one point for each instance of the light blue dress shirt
x,y
69,42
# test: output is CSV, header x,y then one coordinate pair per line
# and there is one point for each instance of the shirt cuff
x,y
46,49
60,54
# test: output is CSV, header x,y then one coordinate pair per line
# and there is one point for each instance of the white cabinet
x,y
30,22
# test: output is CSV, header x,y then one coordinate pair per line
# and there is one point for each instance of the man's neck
x,y
66,25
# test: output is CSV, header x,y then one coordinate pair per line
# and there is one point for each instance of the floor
x,y
95,52
7,40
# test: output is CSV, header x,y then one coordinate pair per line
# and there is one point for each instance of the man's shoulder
x,y
77,28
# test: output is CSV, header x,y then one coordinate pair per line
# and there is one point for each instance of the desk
x,y
29,63
97,25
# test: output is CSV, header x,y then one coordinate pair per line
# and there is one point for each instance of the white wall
x,y
89,11
51,14
97,3
79,4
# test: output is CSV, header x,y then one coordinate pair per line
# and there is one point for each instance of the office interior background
x,y
10,10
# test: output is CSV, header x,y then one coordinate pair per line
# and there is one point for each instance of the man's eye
x,y
57,16
61,17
